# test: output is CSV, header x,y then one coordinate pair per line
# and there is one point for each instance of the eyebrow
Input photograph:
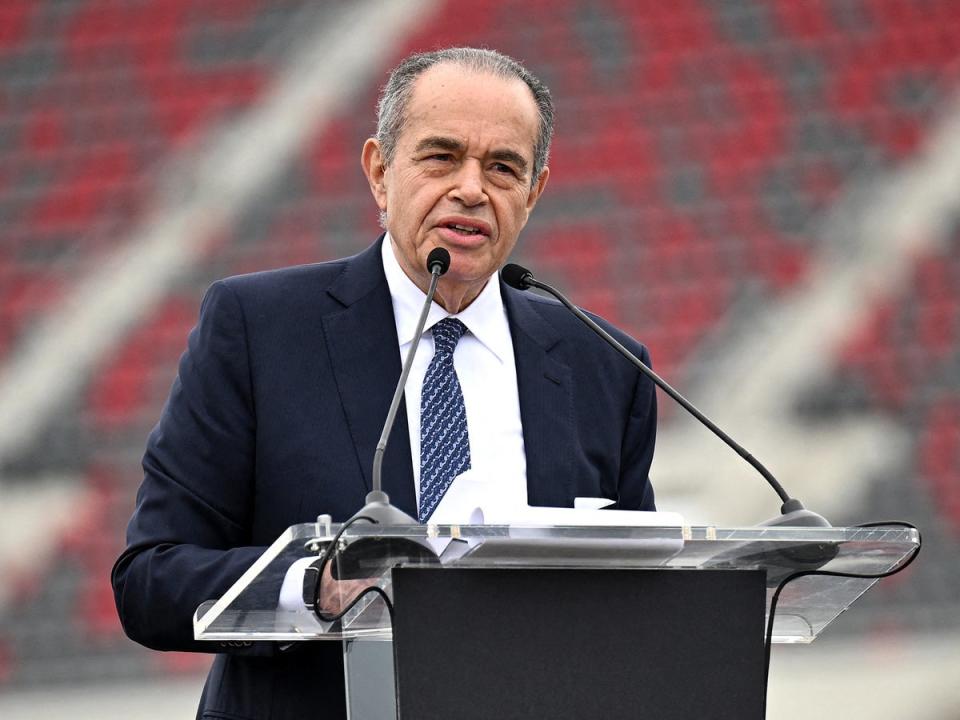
x,y
436,142
439,142
509,156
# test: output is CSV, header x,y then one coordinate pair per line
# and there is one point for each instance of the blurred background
x,y
765,192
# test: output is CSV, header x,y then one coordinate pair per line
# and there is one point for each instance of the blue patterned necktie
x,y
444,441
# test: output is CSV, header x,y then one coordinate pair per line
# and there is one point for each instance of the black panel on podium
x,y
578,643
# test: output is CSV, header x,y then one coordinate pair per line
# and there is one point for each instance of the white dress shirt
x,y
487,371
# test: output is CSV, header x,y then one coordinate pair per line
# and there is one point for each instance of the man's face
x,y
460,177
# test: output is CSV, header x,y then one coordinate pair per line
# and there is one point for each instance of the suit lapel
x,y
546,403
365,357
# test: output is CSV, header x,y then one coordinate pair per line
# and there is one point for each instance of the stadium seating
x,y
698,145
906,362
97,95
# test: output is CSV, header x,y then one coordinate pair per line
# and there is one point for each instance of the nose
x,y
468,186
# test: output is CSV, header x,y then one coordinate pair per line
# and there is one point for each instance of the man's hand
x,y
336,595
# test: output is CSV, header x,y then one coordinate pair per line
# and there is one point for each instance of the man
x,y
282,393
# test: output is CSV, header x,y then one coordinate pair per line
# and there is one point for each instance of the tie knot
x,y
447,333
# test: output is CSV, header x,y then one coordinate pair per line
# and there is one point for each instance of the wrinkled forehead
x,y
452,100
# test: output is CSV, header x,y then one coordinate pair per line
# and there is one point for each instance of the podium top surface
x,y
266,602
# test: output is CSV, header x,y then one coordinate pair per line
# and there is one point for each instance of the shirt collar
x,y
485,317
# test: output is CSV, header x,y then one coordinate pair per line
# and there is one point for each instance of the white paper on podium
x,y
474,500
527,515
591,503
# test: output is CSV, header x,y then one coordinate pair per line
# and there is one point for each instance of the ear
x,y
537,189
371,160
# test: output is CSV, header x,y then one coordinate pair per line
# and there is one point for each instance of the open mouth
x,y
463,229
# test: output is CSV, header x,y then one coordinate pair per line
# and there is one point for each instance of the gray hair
x,y
395,97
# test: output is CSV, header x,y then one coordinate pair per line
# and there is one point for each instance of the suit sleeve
x,y
636,490
189,538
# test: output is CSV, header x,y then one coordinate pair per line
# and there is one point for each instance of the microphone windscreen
x,y
516,276
438,257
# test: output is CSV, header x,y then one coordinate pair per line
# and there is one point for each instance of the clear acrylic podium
x,y
530,621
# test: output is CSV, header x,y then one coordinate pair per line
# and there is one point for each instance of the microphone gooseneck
x,y
378,507
792,511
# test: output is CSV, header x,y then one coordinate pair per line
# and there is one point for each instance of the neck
x,y
456,297
452,295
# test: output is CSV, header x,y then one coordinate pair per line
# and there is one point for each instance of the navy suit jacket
x,y
273,419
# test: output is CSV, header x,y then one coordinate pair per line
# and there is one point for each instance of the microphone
x,y
378,508
793,513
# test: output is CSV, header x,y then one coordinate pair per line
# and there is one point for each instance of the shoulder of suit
x,y
314,275
279,294
570,327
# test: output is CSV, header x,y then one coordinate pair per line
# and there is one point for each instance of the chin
x,y
468,264
468,275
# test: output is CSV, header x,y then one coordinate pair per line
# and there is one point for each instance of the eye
x,y
440,157
503,168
